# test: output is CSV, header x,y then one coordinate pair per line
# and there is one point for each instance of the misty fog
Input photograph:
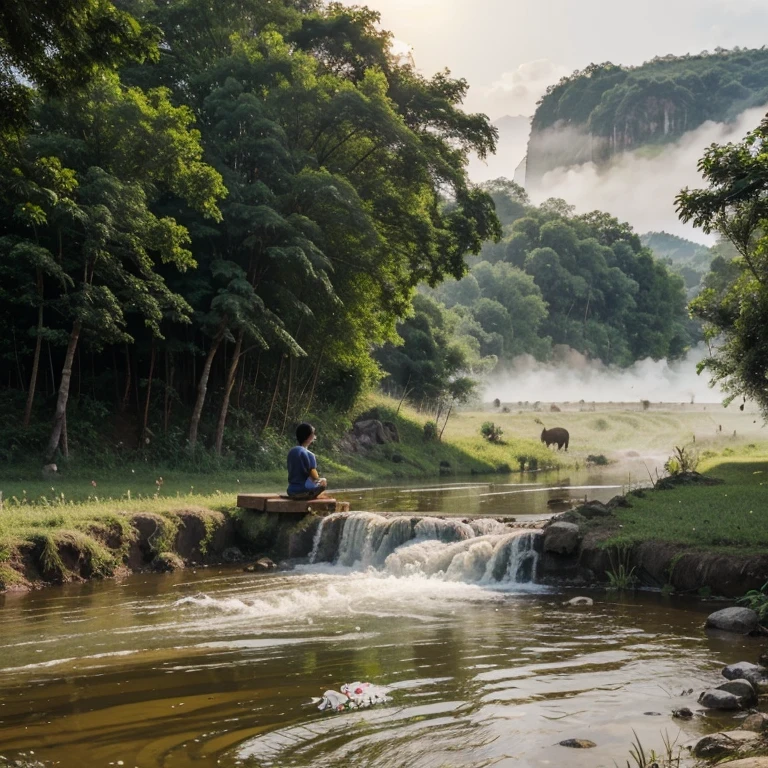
x,y
572,377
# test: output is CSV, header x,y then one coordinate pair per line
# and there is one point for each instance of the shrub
x,y
683,459
497,403
597,459
430,431
491,432
646,404
757,600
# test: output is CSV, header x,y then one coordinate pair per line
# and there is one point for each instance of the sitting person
x,y
304,483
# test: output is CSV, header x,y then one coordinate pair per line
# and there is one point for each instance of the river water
x,y
218,667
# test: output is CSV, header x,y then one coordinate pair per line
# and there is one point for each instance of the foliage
x,y
658,101
684,459
584,282
429,431
217,240
670,758
491,432
757,600
734,302
620,575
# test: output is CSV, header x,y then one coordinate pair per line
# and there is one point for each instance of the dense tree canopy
x,y
581,281
734,302
232,226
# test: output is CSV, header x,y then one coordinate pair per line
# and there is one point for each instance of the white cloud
x,y
516,92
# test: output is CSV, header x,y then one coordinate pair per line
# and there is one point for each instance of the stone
x,y
741,688
562,538
578,743
167,562
682,714
757,722
720,744
264,564
231,555
716,699
594,509
749,762
580,601
741,621
744,670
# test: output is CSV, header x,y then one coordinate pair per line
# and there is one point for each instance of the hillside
x,y
606,109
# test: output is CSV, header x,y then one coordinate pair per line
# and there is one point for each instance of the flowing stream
x,y
218,667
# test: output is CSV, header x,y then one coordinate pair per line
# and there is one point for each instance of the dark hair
x,y
303,431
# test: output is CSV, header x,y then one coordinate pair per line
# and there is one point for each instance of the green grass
x,y
732,517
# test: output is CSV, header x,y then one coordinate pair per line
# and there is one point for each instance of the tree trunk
x,y
149,394
127,391
274,394
61,402
35,366
288,395
227,392
202,388
445,423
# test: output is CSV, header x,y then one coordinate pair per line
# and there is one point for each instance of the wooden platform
x,y
272,502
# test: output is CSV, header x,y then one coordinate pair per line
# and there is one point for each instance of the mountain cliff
x,y
604,110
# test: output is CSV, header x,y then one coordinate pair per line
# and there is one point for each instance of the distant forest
x,y
585,282
622,108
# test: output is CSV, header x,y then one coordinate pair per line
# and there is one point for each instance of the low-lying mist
x,y
639,187
572,378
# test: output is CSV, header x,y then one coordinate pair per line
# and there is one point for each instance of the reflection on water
x,y
525,495
218,667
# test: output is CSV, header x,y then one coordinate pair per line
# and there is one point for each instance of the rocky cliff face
x,y
598,113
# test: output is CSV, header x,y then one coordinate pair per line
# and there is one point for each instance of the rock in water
x,y
744,670
741,688
577,743
757,722
562,538
719,744
715,699
741,621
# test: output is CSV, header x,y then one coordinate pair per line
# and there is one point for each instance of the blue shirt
x,y
300,462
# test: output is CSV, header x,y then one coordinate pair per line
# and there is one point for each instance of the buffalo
x,y
555,436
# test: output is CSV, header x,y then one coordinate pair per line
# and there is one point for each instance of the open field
x,y
83,501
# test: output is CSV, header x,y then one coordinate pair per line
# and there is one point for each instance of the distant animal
x,y
555,436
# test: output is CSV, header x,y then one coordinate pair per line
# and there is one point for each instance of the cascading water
x,y
481,551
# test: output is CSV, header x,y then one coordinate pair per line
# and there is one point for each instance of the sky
x,y
510,50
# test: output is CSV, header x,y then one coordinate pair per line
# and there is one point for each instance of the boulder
x,y
749,762
562,538
231,555
594,509
367,433
717,699
743,670
741,621
757,722
741,688
166,562
720,744
265,564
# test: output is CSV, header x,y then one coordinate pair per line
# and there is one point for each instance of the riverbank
x,y
84,523
703,533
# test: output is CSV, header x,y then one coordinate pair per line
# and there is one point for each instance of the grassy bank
x,y
93,507
732,517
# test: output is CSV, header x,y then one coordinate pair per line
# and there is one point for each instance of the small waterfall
x,y
483,551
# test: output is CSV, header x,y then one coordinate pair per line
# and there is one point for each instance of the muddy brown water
x,y
217,667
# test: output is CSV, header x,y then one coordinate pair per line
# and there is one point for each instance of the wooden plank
x,y
290,506
256,501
